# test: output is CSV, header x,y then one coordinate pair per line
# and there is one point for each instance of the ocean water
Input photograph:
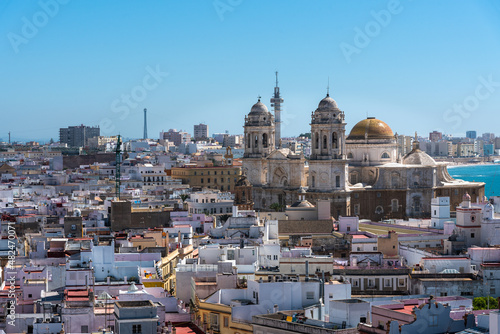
x,y
489,174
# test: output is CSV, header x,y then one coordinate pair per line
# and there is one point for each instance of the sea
x,y
489,174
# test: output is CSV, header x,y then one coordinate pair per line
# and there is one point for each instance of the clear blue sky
x,y
84,57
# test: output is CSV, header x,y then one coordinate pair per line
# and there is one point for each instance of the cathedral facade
x,y
360,174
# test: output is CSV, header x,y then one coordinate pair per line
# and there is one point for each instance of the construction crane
x,y
118,173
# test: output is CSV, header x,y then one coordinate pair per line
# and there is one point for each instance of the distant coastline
x,y
479,172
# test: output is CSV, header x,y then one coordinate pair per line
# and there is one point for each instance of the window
x,y
472,235
337,181
84,329
375,248
416,204
137,329
310,294
334,140
201,181
355,282
394,205
208,180
444,294
387,282
385,155
433,320
226,321
356,209
215,172
371,282
401,282
214,321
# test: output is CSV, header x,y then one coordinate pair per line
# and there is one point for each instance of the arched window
x,y
334,140
350,156
249,141
313,181
395,205
264,139
337,181
256,141
324,142
316,138
385,155
379,210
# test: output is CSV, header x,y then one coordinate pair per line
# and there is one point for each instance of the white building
x,y
210,202
440,212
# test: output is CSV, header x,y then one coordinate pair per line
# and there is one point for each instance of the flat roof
x,y
134,303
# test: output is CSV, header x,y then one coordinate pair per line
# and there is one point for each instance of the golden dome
x,y
371,128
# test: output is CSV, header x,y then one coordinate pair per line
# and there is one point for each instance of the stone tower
x,y
327,164
259,142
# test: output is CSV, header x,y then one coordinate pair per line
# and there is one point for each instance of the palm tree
x,y
276,206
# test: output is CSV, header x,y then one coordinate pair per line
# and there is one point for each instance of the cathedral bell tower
x,y
327,163
327,131
259,132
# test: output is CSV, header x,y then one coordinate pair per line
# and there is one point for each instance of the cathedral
x,y
360,174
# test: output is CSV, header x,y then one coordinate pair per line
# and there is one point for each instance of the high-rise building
x,y
77,136
488,137
200,131
176,137
435,136
404,145
471,134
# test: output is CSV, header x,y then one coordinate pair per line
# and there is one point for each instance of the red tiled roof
x,y
76,293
